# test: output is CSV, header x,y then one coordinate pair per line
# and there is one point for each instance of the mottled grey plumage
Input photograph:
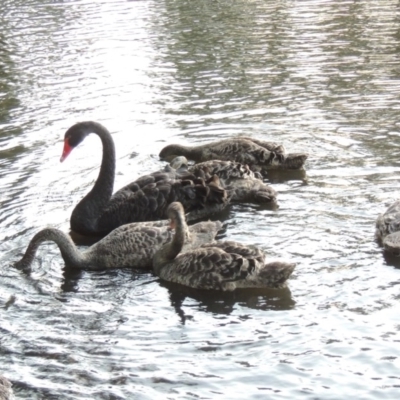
x,y
388,228
132,245
271,146
241,183
146,199
258,155
219,266
6,392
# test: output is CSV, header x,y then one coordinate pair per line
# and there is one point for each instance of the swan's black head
x,y
75,135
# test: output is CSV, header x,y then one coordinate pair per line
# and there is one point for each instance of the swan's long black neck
x,y
70,253
85,216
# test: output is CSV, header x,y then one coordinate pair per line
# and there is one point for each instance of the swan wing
x,y
232,247
124,247
208,268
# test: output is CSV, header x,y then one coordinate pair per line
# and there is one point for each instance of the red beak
x,y
66,151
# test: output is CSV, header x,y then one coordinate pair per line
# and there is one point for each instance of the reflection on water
x,y
317,76
224,303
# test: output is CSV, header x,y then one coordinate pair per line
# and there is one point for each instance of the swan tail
x,y
276,273
283,161
252,190
294,160
264,196
271,275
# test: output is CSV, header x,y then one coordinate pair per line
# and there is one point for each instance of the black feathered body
x,y
150,203
146,199
242,184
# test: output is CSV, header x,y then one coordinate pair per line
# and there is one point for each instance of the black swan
x,y
258,155
146,199
241,183
131,245
224,265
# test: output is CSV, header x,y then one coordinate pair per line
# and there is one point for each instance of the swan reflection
x,y
226,302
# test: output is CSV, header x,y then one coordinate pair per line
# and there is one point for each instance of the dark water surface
x,y
318,76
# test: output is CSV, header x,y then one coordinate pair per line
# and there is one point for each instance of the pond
x,y
321,77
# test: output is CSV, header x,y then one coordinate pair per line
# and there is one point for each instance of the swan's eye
x,y
73,141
